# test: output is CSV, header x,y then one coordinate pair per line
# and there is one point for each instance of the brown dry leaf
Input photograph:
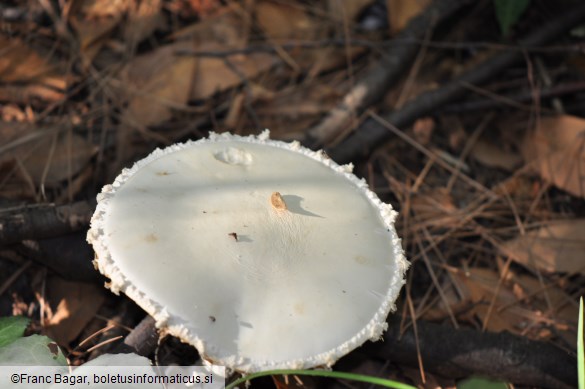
x,y
518,187
435,208
235,111
423,130
254,92
144,18
76,305
27,94
156,82
401,11
289,112
12,113
213,75
94,20
558,246
302,108
190,9
285,21
14,184
346,11
456,135
329,58
565,311
556,150
492,155
42,156
457,304
225,28
480,285
20,63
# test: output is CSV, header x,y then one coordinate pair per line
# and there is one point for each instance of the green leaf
x,y
481,383
580,348
508,12
34,350
324,373
12,328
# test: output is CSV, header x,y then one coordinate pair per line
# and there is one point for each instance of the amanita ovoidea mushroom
x,y
262,254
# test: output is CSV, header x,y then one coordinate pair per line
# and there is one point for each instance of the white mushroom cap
x,y
262,254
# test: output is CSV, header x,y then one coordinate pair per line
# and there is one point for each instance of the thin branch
x,y
372,88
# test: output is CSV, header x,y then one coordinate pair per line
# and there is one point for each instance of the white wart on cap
x,y
261,254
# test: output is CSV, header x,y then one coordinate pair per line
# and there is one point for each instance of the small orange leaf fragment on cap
x,y
278,202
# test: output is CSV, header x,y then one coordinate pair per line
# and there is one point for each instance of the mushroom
x,y
262,254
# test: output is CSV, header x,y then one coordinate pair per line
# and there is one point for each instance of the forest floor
x,y
467,116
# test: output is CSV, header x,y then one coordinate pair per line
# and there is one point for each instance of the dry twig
x,y
371,134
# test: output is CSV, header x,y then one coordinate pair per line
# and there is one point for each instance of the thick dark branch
x,y
465,352
372,134
372,88
42,221
69,255
142,340
515,100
